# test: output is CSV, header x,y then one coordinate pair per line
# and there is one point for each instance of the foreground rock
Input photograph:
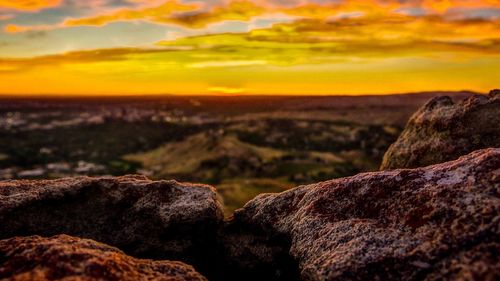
x,y
69,258
436,223
443,130
144,218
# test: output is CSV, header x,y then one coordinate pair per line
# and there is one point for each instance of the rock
x,y
144,218
443,130
495,94
440,222
69,258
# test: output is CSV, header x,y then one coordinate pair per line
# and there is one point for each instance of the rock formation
x,y
68,258
144,218
443,130
440,222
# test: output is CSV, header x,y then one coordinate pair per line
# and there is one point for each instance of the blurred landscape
x,y
244,145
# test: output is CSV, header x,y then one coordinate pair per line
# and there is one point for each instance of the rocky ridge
x,y
443,130
440,222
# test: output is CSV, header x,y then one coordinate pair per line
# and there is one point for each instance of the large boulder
x,y
68,258
144,218
440,222
443,130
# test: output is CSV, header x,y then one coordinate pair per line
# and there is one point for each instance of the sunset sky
x,y
102,47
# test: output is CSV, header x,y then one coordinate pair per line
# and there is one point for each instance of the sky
x,y
236,47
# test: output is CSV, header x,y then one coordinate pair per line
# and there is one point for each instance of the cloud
x,y
152,14
91,56
307,41
315,34
304,42
29,5
200,14
234,11
444,5
192,15
351,36
14,28
228,67
174,12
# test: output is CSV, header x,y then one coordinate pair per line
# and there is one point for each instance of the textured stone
x,y
443,130
440,222
69,258
144,218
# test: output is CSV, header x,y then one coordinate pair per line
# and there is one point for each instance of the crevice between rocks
x,y
221,251
249,253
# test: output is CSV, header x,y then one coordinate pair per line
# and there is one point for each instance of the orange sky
x,y
301,47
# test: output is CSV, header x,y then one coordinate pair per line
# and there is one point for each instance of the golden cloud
x,y
29,5
235,10
91,56
153,14
198,15
356,36
170,12
174,12
444,5
303,42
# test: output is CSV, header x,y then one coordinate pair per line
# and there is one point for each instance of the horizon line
x,y
159,95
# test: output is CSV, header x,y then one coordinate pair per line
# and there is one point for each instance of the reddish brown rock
x,y
144,218
441,222
68,258
443,130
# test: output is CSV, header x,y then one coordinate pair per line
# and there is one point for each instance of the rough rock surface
x,y
68,258
144,218
440,222
443,130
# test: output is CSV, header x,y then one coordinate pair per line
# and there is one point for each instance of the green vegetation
x,y
243,146
102,144
247,159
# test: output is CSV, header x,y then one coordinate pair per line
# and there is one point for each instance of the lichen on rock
x,y
64,257
440,222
